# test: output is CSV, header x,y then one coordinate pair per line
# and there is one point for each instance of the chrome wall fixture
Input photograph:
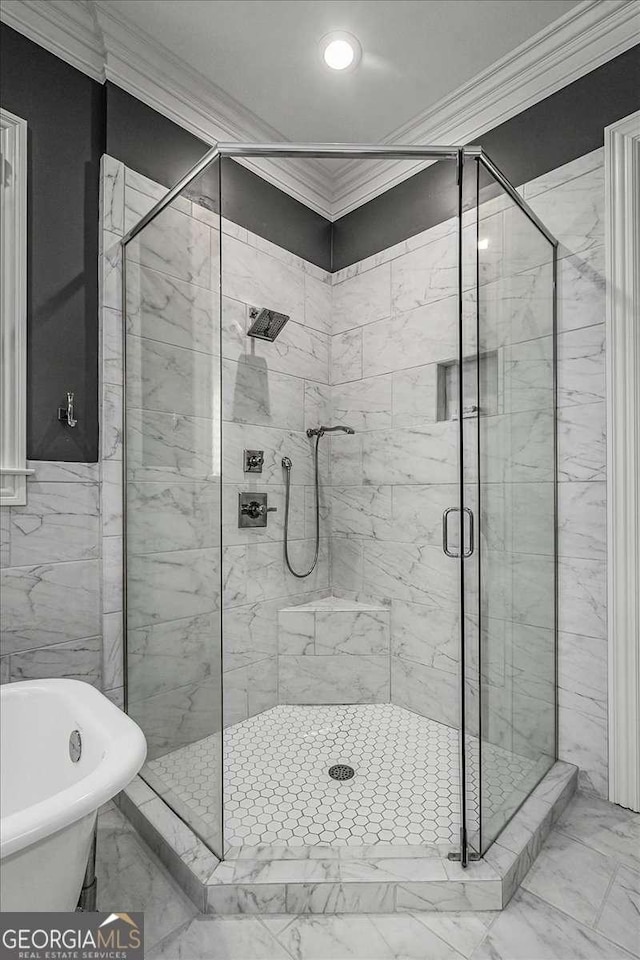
x,y
67,414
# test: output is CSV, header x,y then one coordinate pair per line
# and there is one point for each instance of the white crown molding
x,y
622,248
592,33
92,38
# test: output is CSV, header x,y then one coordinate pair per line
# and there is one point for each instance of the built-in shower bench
x,y
333,650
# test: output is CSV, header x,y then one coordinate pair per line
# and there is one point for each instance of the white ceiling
x,y
264,54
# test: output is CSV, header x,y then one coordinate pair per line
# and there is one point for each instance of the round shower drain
x,y
340,771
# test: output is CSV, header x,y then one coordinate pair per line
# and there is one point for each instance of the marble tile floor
x,y
580,901
278,790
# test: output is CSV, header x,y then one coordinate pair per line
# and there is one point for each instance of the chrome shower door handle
x,y
445,533
467,553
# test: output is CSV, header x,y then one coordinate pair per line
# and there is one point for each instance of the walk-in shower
x,y
418,649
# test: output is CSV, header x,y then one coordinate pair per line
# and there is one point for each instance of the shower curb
x,y
372,879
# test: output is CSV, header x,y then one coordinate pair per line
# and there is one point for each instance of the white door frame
x,y
622,239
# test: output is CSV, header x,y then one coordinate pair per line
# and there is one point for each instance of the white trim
x,y
13,310
622,224
105,45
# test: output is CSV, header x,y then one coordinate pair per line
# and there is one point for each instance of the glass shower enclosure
x,y
199,594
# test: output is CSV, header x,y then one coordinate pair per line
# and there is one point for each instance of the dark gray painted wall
x,y
146,141
555,131
64,110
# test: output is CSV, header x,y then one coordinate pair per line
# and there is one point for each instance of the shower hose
x,y
286,463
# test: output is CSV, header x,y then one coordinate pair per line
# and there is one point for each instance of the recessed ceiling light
x,y
340,50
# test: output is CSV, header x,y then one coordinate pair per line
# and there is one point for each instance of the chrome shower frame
x,y
426,153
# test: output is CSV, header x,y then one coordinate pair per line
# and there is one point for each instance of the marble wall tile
x,y
582,674
581,292
413,572
153,191
49,603
415,396
592,161
73,660
527,376
317,404
162,307
299,351
581,365
111,498
297,632
252,394
363,404
59,522
582,587
110,271
429,273
403,456
582,740
514,308
251,632
619,917
172,243
357,633
163,446
346,356
165,515
339,678
5,537
260,280
582,526
112,650
163,656
427,334
275,443
177,717
111,342
428,635
346,459
171,586
112,583
112,195
62,471
425,690
362,298
250,690
318,304
574,212
347,564
582,442
111,422
170,379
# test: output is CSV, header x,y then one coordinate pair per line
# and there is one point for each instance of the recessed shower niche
x,y
341,634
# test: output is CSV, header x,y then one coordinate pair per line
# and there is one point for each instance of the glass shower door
x,y
508,434
172,478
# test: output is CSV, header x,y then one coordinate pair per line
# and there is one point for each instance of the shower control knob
x,y
253,510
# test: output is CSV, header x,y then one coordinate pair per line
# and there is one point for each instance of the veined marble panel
x,y
112,582
358,632
178,717
111,498
62,471
163,656
171,586
426,455
318,304
516,448
161,307
362,298
582,674
260,280
581,292
582,514
429,273
346,356
173,243
568,171
527,374
112,650
112,195
253,394
347,562
426,634
299,351
250,690
406,571
276,443
415,396
111,422
425,690
427,334
59,522
346,459
170,515
574,212
339,678
250,633
582,739
111,340
163,446
583,590
258,571
317,404
297,632
363,404
514,308
49,603
74,660
582,442
581,365
170,379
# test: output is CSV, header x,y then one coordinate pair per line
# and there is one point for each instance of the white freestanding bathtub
x,y
65,750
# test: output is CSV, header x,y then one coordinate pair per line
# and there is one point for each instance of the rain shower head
x,y
267,324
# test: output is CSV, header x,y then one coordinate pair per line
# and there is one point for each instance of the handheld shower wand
x,y
287,465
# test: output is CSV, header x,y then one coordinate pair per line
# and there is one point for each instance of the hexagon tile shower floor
x,y
278,790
